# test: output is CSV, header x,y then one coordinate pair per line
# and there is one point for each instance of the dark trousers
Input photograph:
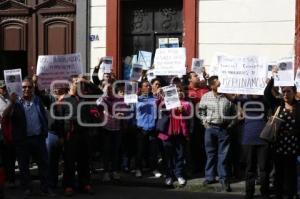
x,y
147,143
257,155
217,144
9,159
76,157
35,147
128,146
54,152
174,154
285,175
112,144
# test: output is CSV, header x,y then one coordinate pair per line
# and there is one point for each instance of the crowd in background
x,y
211,133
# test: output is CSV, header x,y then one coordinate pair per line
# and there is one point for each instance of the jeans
x,y
54,152
257,155
174,151
34,146
217,144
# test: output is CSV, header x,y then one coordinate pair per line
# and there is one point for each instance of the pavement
x,y
130,187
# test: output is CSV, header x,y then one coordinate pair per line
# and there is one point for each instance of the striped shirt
x,y
216,109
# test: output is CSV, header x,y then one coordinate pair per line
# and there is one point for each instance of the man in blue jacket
x,y
29,131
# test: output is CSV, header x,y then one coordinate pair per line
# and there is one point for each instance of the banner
x,y
144,59
13,81
170,61
171,97
57,67
131,90
285,74
242,75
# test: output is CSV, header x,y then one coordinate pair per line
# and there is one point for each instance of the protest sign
x,y
271,67
13,81
136,72
150,75
242,75
285,74
131,90
144,59
170,61
197,67
171,97
106,65
57,67
297,80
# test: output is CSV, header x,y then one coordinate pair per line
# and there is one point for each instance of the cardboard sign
x,y
106,65
131,90
57,67
13,81
136,72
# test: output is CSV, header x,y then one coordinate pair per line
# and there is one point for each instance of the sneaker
x,y
116,175
181,181
106,177
169,181
157,174
68,192
88,190
138,173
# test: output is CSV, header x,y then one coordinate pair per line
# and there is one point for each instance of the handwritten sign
x,y
57,67
242,75
170,61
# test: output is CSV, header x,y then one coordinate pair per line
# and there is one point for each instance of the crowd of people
x,y
201,135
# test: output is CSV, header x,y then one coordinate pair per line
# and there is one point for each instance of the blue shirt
x,y
33,123
146,112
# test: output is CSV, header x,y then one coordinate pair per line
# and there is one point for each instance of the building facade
x,y
120,28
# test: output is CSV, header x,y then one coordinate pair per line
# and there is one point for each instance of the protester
x,y
174,137
75,141
256,150
29,136
286,147
217,115
146,114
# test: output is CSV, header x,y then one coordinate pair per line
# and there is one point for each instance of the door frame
x,y
113,33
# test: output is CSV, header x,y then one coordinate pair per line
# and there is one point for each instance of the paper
x,y
106,65
57,67
131,90
163,42
136,72
170,61
150,75
242,75
13,81
173,43
198,67
144,59
285,74
171,97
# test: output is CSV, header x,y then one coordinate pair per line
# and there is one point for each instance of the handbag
x,y
270,131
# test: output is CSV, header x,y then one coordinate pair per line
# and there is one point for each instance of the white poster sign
x,y
242,75
271,67
13,81
297,80
198,67
106,65
131,90
145,59
170,61
171,97
136,72
57,67
285,74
